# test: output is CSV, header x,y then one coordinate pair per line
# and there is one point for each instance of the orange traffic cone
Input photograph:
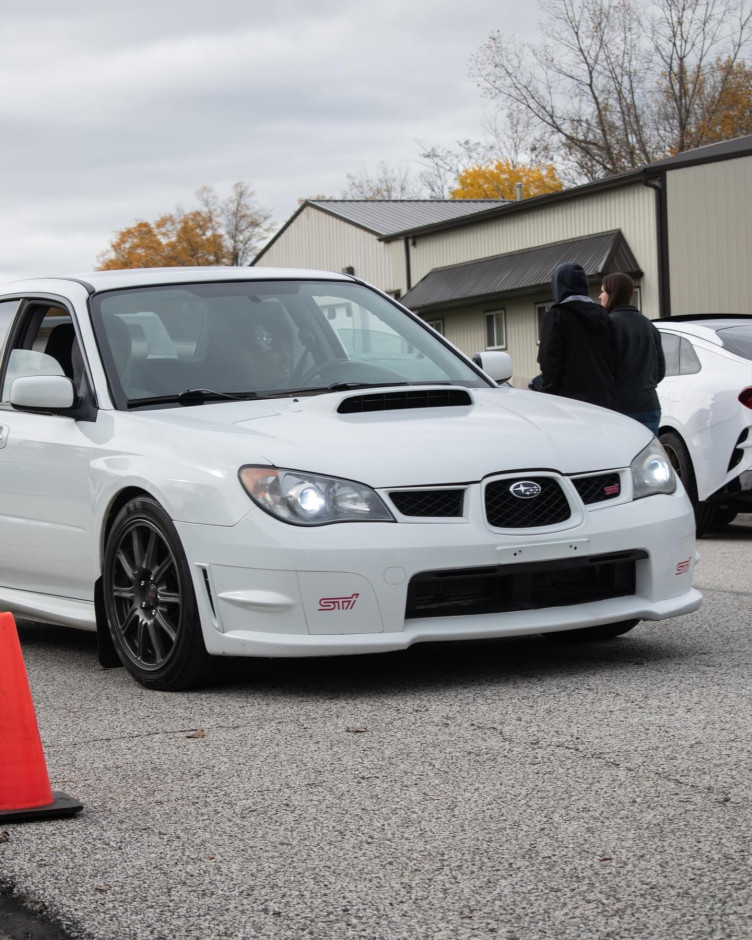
x,y
25,792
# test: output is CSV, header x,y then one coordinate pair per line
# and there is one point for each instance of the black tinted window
x,y
738,340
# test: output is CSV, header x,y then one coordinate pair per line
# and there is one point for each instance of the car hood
x,y
501,429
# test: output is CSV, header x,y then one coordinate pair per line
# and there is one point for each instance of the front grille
x,y
524,586
506,511
444,503
400,401
596,489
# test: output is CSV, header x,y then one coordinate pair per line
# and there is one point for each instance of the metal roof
x,y
711,153
520,271
386,217
723,150
398,218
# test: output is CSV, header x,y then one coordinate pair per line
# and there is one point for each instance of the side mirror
x,y
497,365
42,393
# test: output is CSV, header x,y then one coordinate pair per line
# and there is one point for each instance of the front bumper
x,y
269,589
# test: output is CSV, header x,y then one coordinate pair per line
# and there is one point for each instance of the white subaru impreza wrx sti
x,y
210,462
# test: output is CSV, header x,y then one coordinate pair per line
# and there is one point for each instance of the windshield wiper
x,y
192,396
346,386
339,387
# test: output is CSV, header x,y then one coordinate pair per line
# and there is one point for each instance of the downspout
x,y
408,272
658,185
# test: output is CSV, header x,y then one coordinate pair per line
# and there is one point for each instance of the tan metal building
x,y
479,271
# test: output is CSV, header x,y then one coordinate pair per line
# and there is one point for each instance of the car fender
x,y
191,494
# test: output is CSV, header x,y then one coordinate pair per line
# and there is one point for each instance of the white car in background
x,y
706,411
210,462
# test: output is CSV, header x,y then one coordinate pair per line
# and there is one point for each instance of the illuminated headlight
x,y
311,499
652,472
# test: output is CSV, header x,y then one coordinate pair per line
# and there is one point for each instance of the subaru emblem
x,y
525,489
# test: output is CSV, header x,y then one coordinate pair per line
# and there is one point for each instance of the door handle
x,y
3,435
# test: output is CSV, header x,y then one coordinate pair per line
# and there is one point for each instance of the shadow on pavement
x,y
17,923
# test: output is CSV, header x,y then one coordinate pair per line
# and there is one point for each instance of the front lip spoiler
x,y
454,629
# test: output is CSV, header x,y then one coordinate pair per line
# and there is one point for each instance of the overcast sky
x,y
113,113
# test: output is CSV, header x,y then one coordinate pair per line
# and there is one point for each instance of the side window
x,y
670,343
689,362
44,344
496,329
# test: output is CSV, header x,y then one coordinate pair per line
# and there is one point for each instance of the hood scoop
x,y
404,400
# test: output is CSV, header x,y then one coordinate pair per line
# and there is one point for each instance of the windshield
x,y
256,338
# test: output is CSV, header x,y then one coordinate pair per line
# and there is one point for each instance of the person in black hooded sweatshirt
x,y
576,352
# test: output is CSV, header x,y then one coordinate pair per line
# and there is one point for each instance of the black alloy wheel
x,y
678,455
150,602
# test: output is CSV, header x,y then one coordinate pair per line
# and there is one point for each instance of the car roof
x,y
704,325
146,277
713,321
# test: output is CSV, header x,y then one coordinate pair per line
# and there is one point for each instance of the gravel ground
x,y
518,789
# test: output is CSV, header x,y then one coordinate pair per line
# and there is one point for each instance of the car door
x,y
45,516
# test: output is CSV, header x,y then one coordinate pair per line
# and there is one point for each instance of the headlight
x,y
652,472
311,499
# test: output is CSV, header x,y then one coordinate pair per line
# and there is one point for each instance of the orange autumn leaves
x,y
499,180
219,232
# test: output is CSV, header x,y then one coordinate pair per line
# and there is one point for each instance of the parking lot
x,y
516,789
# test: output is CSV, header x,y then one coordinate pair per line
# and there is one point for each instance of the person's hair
x,y
619,288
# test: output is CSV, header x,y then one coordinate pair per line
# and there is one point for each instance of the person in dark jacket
x,y
639,362
575,353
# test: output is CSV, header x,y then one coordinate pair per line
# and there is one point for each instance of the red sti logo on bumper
x,y
682,567
338,603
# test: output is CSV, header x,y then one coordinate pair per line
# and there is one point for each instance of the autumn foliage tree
x,y
499,179
616,84
726,102
219,232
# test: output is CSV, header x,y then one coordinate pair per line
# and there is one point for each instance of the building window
x,y
540,311
496,329
438,325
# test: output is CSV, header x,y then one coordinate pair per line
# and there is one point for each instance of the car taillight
x,y
745,397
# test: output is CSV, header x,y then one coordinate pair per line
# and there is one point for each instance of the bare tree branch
x,y
619,83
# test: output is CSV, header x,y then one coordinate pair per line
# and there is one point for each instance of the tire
x,y
724,515
149,601
605,631
678,454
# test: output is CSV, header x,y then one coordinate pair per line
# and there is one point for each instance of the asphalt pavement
x,y
520,789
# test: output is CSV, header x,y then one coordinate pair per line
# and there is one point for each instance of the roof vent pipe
x,y
518,187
